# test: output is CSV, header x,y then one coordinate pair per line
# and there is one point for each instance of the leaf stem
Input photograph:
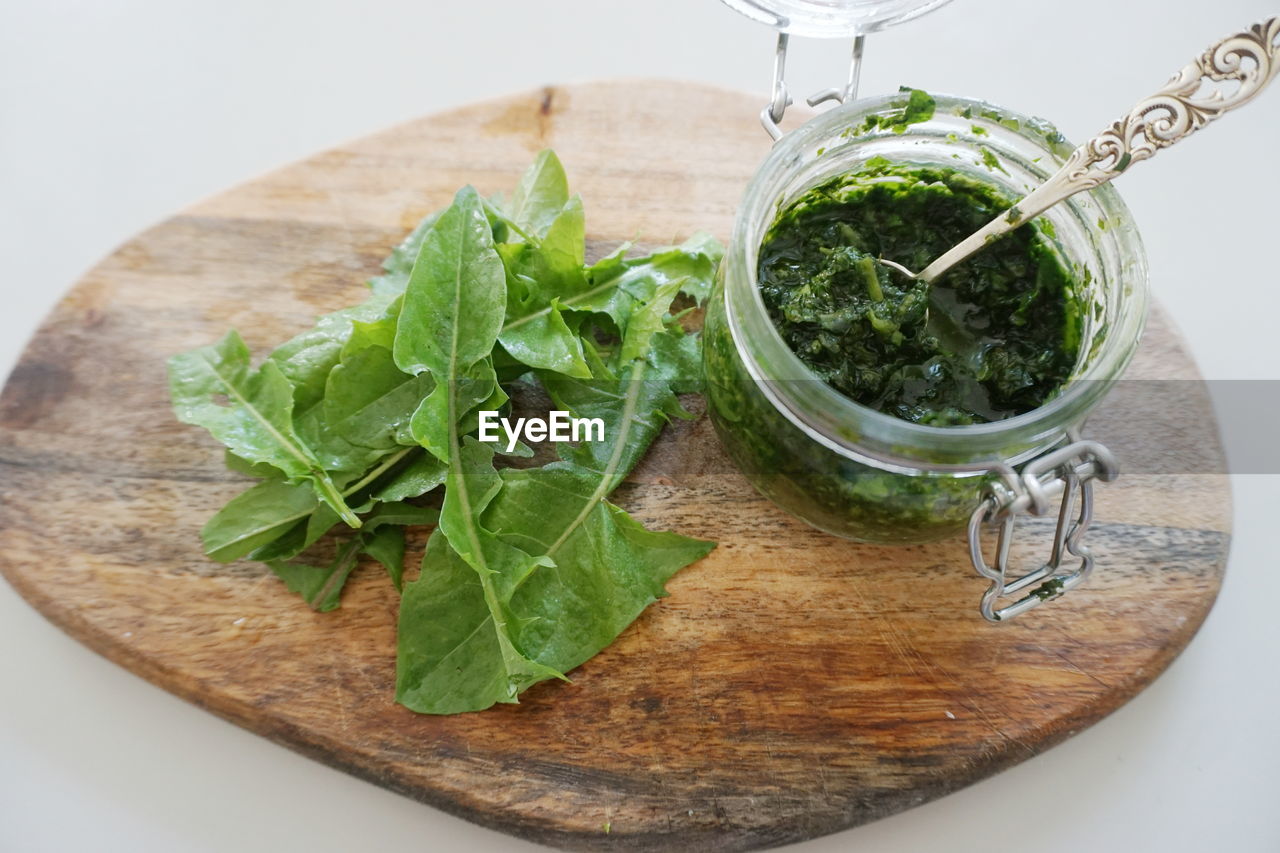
x,y
378,471
342,565
611,467
335,499
511,223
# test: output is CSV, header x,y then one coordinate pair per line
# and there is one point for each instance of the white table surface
x,y
113,115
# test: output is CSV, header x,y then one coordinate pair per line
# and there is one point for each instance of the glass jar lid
x,y
832,18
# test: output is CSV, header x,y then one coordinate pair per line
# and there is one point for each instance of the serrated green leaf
x,y
617,285
275,520
530,571
306,359
496,402
386,545
399,264
564,246
538,277
676,358
499,568
448,656
646,321
634,409
379,331
368,400
251,412
438,420
261,470
608,567
544,340
560,573
255,517
383,535
320,586
450,319
456,296
423,474
540,195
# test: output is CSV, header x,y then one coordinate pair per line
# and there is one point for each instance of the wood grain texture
x,y
792,684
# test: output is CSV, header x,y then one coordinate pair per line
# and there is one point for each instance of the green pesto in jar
x,y
996,336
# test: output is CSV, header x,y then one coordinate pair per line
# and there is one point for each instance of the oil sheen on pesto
x,y
993,338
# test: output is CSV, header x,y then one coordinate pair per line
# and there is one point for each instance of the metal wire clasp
x,y
771,115
1069,472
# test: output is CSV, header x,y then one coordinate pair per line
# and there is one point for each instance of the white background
x,y
115,114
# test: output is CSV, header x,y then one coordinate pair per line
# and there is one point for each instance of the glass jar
x,y
856,472
832,18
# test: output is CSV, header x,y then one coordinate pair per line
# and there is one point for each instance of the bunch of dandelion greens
x,y
530,571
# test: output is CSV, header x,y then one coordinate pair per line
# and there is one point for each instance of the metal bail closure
x,y
1067,472
823,19
771,115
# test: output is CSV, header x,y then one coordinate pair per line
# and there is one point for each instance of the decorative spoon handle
x,y
1187,103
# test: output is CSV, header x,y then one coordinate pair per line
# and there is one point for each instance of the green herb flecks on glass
x,y
918,106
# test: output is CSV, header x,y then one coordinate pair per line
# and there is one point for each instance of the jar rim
x,y
830,416
827,19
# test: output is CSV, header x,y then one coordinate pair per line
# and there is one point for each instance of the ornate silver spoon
x,y
1173,113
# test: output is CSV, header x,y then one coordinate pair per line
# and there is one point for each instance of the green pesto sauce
x,y
993,338
918,106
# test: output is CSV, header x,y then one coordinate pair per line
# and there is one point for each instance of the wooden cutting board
x,y
792,685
